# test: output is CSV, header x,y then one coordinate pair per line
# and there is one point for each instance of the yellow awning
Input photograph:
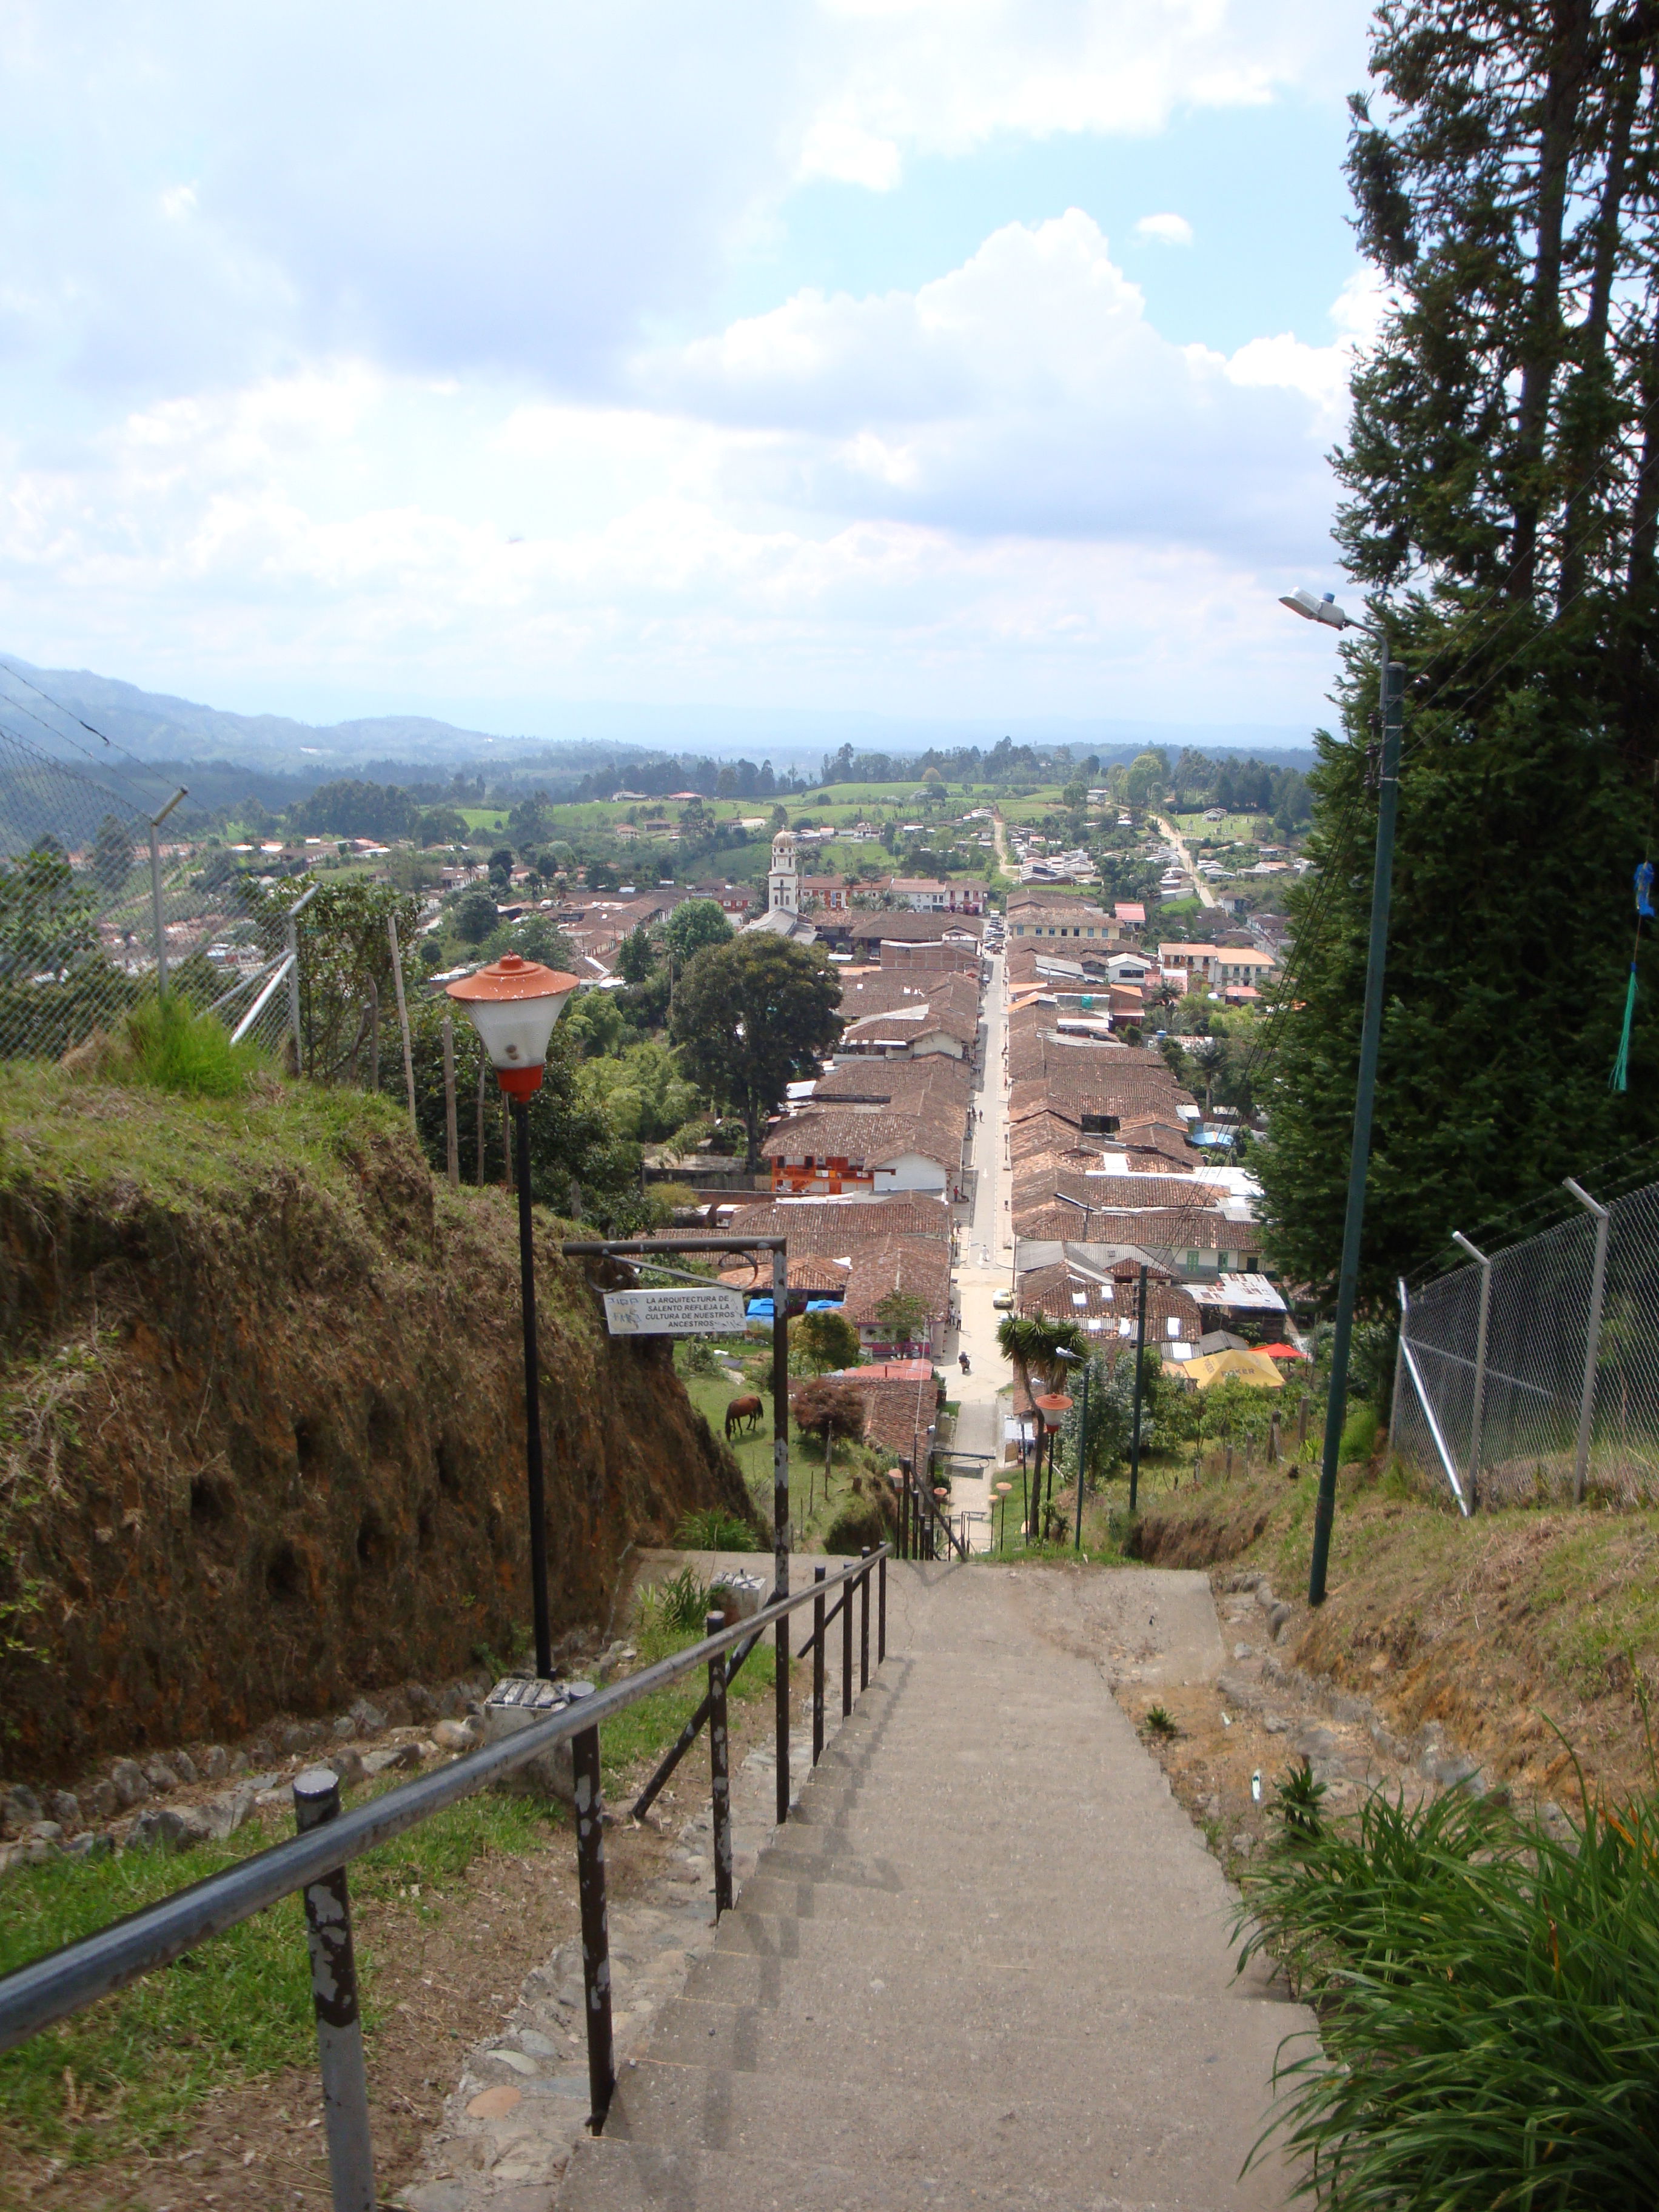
x,y
1253,1367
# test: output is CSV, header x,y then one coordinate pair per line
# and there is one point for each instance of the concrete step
x,y
967,2128
936,1970
1133,2034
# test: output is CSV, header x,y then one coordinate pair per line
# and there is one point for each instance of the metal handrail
x,y
33,1996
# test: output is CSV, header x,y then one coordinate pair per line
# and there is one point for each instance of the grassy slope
x,y
1507,1628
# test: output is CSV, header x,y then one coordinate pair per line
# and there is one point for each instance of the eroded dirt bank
x,y
262,1433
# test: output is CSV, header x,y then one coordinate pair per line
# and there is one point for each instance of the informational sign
x,y
713,1312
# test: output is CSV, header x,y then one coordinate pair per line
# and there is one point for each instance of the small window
x,y
1079,1297
1172,1327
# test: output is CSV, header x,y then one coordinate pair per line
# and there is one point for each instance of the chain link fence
x,y
101,904
1535,1373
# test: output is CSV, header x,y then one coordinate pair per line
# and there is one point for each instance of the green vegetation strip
x,y
1488,1997
126,2075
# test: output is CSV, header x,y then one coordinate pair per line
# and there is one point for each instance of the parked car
x,y
1004,1302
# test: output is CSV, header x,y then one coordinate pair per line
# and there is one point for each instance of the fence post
x,y
1399,1361
720,1778
881,1608
334,2000
596,1931
818,1669
864,1625
1592,1338
155,822
451,1134
1476,1417
291,938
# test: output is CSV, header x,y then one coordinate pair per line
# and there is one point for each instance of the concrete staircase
x,y
987,1964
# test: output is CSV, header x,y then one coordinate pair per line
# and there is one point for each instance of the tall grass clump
x,y
1488,2000
175,1048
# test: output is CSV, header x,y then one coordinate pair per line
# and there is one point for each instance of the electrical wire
x,y
63,736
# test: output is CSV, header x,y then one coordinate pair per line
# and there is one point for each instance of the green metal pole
x,y
1394,685
1140,1362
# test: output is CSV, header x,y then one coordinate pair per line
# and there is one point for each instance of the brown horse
x,y
741,1410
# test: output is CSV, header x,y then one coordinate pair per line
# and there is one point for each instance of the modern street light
x,y
1078,1359
1326,610
1002,1491
513,1005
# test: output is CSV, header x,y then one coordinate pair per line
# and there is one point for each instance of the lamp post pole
x,y
1359,1154
533,1399
1392,683
513,1005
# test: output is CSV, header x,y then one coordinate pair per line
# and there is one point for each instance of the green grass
x,y
641,1733
62,1132
127,2075
1488,2000
175,1048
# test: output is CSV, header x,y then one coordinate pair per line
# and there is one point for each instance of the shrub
x,y
1360,1433
859,1526
679,1604
1489,2001
710,1529
174,1048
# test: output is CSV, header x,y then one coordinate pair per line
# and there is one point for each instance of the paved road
x,y
986,1266
986,1965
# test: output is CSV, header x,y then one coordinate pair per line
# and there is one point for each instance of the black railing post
x,y
864,1625
783,1535
596,1934
720,1778
818,1669
334,2000
881,1607
845,1650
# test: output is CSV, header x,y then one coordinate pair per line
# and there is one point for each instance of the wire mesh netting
x,y
88,915
1502,1422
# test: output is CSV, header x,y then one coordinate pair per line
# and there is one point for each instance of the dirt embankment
x,y
261,1419
1530,1635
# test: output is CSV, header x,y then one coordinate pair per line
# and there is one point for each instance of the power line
x,y
63,737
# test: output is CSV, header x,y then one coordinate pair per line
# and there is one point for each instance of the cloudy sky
x,y
928,357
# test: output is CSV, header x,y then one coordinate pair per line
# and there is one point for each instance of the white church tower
x,y
783,878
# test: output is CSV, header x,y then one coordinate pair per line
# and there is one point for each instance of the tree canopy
x,y
1502,489
750,1018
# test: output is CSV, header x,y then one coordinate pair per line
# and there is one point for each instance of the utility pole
x,y
1370,1031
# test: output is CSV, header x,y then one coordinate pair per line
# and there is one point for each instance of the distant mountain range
x,y
159,729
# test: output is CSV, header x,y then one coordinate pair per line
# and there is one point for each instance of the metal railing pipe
x,y
50,1988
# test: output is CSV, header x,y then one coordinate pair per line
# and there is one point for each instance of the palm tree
x,y
1032,1344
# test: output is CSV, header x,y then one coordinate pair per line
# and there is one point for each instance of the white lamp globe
x,y
513,1005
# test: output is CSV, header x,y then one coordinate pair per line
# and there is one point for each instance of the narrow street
x,y
986,1267
1205,895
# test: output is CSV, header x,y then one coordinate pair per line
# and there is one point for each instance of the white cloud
x,y
1004,486
1165,230
1024,390
308,311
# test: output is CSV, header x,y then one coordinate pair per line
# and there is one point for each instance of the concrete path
x,y
988,1963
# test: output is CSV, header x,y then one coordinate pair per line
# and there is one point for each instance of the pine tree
x,y
1501,482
